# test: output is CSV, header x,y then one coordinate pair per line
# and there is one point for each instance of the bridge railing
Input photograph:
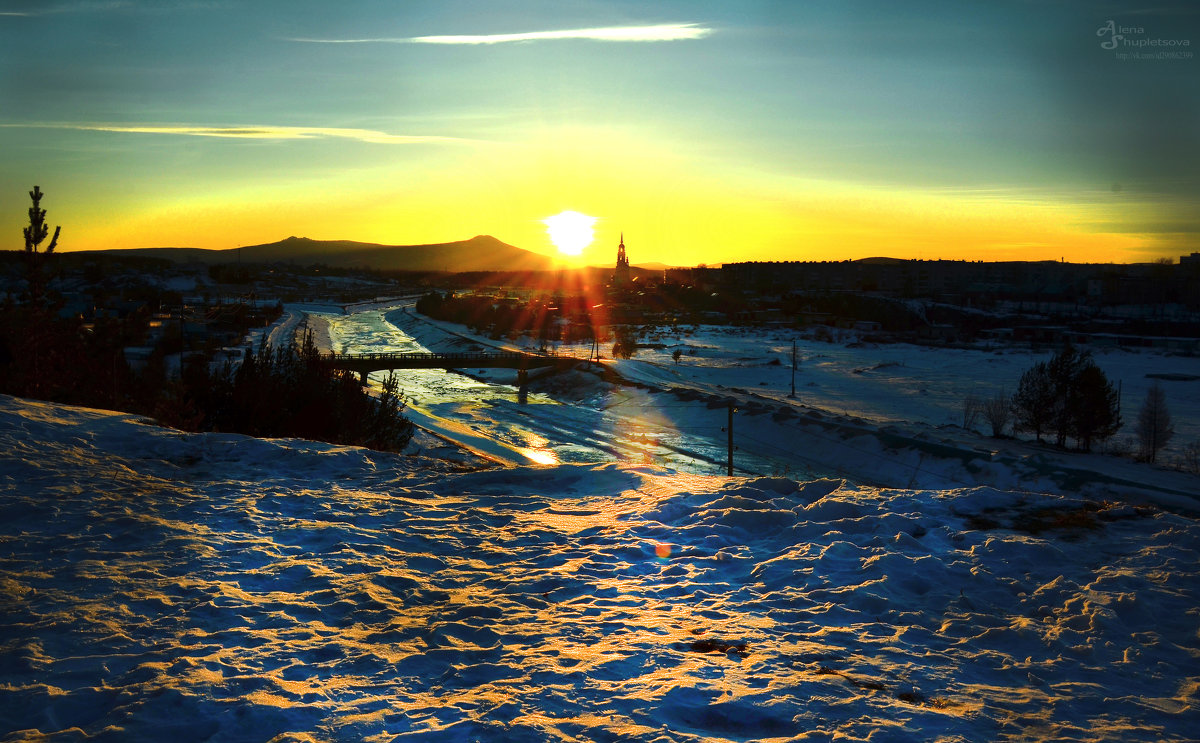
x,y
432,356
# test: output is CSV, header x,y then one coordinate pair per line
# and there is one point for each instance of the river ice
x,y
193,587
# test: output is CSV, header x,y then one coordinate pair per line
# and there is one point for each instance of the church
x,y
621,275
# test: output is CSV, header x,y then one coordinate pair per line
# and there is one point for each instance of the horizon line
x,y
663,264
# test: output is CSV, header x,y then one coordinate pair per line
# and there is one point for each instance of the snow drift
x,y
168,586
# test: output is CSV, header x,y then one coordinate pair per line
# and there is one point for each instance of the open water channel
x,y
593,422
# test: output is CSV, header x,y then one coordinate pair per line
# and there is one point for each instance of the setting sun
x,y
570,231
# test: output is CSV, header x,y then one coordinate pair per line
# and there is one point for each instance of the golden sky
x,y
705,132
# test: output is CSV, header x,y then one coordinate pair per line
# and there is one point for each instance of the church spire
x,y
622,274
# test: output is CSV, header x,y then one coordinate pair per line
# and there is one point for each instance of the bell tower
x,y
621,276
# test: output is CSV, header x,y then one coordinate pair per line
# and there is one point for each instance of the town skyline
x,y
705,133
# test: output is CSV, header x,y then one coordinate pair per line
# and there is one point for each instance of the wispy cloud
x,y
72,7
258,132
104,6
663,32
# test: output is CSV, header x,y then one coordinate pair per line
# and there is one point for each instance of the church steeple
x,y
622,273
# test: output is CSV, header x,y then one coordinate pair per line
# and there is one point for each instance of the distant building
x,y
1190,260
621,275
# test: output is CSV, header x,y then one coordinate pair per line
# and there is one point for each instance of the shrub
x,y
997,411
625,343
972,408
1154,426
1191,457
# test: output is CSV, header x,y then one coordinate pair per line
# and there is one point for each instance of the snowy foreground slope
x,y
168,586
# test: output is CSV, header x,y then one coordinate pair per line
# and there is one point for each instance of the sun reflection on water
x,y
538,449
539,456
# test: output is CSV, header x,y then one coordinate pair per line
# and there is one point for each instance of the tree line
x,y
1068,397
276,392
285,391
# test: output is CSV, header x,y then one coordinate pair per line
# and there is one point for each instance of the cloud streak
x,y
76,7
258,132
662,32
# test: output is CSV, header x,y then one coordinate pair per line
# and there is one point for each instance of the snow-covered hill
x,y
167,586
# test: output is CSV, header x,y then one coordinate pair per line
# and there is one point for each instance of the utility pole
x,y
793,395
729,429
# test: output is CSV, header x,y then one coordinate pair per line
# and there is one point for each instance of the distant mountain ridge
x,y
480,253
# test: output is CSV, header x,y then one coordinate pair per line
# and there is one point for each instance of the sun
x,y
570,232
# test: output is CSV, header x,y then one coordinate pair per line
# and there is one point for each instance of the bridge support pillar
x,y
362,378
522,384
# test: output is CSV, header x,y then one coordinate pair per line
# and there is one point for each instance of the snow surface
x,y
160,585
877,415
902,383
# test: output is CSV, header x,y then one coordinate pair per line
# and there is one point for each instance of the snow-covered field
x,y
167,586
888,416
904,384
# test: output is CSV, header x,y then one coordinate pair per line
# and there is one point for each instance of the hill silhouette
x,y
480,253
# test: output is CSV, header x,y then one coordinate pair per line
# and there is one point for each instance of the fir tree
x,y
35,257
1064,369
1094,406
1033,402
1069,395
39,349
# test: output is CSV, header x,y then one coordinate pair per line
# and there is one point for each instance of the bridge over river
x,y
364,363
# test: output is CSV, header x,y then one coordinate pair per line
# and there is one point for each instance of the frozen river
x,y
882,415
585,421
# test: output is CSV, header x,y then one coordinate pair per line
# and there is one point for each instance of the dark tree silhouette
x,y
1064,369
1094,406
625,343
39,365
1033,402
35,258
286,391
1154,426
997,411
1069,395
